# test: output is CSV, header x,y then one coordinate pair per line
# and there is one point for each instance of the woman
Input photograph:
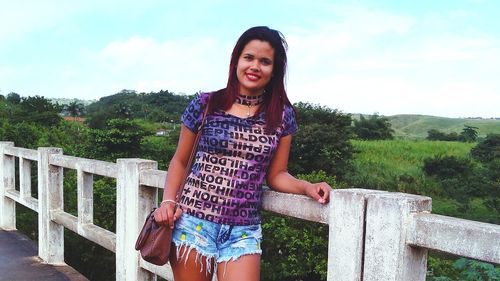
x,y
245,139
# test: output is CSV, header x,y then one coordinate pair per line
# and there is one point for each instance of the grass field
x,y
396,165
417,126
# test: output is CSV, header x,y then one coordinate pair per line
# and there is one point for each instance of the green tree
x,y
488,149
434,134
120,139
373,128
322,141
468,134
74,109
37,110
22,134
13,98
295,249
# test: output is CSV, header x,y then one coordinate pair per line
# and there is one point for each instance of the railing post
x,y
7,178
50,198
346,222
387,255
133,204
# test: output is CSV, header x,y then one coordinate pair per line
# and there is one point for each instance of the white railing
x,y
373,235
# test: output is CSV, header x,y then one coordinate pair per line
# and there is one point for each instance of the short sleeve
x,y
289,123
193,114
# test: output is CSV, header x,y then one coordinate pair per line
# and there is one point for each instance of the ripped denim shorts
x,y
216,242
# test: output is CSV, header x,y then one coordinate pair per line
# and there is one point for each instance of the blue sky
x,y
433,57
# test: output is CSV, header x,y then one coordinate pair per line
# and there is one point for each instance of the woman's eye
x,y
266,62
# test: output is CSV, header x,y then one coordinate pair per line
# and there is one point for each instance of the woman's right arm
x,y
175,176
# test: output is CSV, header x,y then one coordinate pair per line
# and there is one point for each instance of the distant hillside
x,y
416,126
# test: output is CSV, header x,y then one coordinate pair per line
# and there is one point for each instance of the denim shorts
x,y
216,242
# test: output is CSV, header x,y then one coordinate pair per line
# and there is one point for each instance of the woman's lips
x,y
252,77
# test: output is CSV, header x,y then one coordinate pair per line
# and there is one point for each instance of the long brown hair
x,y
275,97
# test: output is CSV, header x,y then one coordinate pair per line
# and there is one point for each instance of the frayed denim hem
x,y
183,250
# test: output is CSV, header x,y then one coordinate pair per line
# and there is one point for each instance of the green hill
x,y
416,126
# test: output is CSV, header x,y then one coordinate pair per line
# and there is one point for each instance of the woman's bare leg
x,y
246,268
189,270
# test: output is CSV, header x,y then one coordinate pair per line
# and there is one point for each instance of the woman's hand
x,y
318,191
167,213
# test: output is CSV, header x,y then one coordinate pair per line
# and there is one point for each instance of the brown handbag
x,y
154,240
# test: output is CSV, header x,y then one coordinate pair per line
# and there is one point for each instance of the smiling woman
x,y
245,139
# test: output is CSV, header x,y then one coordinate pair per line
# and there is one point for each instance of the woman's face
x,y
255,67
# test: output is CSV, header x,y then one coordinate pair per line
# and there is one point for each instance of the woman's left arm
x,y
279,179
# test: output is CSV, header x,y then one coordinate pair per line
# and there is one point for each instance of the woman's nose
x,y
254,66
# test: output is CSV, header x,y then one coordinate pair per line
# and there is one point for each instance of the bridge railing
x,y
373,235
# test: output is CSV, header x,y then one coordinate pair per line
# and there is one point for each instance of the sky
x,y
431,57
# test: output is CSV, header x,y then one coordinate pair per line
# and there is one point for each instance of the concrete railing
x,y
373,235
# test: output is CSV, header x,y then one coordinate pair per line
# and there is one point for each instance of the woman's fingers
x,y
325,192
165,214
320,192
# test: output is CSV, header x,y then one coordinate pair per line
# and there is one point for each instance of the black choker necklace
x,y
249,101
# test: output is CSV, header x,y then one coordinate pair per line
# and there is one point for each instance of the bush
x,y
447,166
373,128
295,249
488,149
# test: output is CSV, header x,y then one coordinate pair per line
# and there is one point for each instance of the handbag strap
x,y
193,152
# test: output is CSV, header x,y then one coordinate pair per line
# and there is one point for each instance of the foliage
x,y
74,109
294,249
13,98
487,150
468,134
395,165
22,134
373,128
434,134
322,142
463,180
462,269
162,106
447,166
120,139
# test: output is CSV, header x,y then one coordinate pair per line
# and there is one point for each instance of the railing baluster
x,y
387,256
346,234
132,206
7,176
50,198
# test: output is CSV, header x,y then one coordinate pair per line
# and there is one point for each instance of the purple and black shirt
x,y
230,165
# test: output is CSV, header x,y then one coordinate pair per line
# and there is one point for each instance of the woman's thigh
x,y
191,267
245,268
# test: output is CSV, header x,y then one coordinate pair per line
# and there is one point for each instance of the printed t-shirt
x,y
230,165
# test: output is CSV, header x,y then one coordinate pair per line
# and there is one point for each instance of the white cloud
x,y
343,65
144,64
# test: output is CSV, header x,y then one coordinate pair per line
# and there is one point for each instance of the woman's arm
x,y
175,176
279,179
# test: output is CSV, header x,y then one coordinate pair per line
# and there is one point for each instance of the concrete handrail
x,y
373,235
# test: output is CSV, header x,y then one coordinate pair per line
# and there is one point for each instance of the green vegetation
x,y
463,178
396,165
373,128
417,126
